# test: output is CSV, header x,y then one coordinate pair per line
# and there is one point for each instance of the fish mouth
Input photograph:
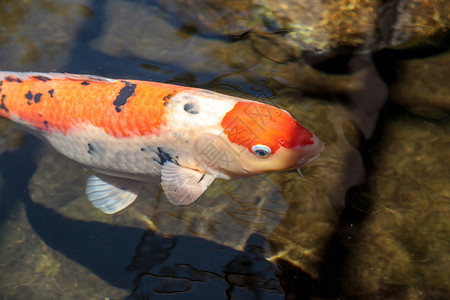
x,y
310,153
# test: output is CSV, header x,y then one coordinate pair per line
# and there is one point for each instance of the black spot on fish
x,y
163,157
2,105
126,92
143,149
1,83
42,78
167,98
51,92
37,97
46,123
85,83
191,108
201,178
96,148
13,79
29,95
91,148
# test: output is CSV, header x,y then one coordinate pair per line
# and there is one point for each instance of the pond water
x,y
370,217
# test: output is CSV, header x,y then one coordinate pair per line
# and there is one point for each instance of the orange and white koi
x,y
131,131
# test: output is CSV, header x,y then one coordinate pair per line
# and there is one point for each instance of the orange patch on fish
x,y
250,123
123,108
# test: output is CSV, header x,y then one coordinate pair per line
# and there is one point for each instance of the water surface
x,y
369,219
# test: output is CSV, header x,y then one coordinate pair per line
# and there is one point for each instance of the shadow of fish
x,y
104,249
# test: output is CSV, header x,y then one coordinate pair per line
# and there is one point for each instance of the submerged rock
x,y
422,85
415,21
318,25
403,246
11,137
324,25
40,41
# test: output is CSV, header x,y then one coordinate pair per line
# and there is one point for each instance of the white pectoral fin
x,y
111,194
183,186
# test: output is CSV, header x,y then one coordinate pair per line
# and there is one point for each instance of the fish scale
x,y
131,132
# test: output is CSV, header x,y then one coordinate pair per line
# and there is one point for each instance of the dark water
x,y
369,219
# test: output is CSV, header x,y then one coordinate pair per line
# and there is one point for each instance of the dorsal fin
x,y
42,76
91,78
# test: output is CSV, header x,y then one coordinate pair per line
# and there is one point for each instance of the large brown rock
x,y
404,245
319,25
422,85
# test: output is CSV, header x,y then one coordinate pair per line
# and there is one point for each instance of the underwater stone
x,y
402,249
422,85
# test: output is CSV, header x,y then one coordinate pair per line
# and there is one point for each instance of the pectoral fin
x,y
111,194
183,186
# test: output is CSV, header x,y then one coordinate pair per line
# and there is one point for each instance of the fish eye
x,y
261,150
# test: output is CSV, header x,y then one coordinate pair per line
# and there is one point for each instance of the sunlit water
x,y
369,219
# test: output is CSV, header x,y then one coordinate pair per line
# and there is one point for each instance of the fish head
x,y
256,138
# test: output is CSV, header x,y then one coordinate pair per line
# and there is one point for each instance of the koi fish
x,y
130,132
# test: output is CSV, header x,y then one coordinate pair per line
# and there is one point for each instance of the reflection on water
x,y
369,219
